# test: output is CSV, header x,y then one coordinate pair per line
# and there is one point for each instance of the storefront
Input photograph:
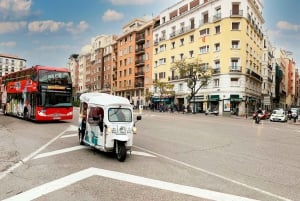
x,y
213,102
197,104
235,101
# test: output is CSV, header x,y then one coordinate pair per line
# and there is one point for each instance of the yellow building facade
x,y
223,35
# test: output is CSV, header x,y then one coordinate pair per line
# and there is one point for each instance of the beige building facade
x,y
10,64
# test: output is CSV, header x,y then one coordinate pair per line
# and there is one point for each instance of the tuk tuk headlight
x,y
108,130
134,130
111,130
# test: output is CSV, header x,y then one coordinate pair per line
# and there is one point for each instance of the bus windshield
x,y
55,99
54,77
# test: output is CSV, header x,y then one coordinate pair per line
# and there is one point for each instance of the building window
x,y
181,56
235,26
180,87
191,53
162,48
234,82
172,59
204,49
204,32
218,29
161,75
191,38
235,44
217,64
181,41
173,45
235,65
216,82
162,61
217,47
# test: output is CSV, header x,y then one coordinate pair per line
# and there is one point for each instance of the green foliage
x,y
165,88
76,103
195,73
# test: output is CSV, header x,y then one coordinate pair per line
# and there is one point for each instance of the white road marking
x,y
60,151
70,135
63,182
142,153
30,156
278,197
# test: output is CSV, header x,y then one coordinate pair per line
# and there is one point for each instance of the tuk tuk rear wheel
x,y
121,152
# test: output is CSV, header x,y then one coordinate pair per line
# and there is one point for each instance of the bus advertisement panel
x,y
39,93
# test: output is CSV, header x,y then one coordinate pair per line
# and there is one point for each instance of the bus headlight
x,y
108,130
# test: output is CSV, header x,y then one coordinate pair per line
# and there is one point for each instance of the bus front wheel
x,y
26,114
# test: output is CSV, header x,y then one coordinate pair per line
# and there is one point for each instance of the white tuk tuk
x,y
106,123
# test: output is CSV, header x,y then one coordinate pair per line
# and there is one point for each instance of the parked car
x,y
279,115
214,112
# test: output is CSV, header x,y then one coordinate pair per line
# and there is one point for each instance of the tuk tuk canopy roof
x,y
103,99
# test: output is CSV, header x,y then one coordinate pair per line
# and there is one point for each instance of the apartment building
x,y
268,74
95,65
10,64
73,66
288,89
224,35
133,73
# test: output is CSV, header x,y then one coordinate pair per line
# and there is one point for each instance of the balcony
x,y
139,74
217,17
140,50
216,71
140,38
139,62
182,30
235,69
236,13
139,85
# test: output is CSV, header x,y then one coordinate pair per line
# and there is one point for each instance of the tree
x,y
165,88
195,73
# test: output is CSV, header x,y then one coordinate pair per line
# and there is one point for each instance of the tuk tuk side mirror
x,y
139,117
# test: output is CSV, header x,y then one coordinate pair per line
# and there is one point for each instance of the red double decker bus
x,y
39,93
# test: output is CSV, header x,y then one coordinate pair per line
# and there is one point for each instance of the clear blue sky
x,y
47,32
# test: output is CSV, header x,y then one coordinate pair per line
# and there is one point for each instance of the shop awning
x,y
160,99
213,98
235,98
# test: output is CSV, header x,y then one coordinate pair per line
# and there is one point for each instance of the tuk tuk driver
x,y
100,116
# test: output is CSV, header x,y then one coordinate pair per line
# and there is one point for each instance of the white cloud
x,y
12,9
54,26
112,15
8,44
44,26
81,27
288,26
130,2
9,27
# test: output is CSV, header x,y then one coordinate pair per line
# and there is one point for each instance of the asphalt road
x,y
175,157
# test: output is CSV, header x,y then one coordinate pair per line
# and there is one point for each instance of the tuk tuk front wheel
x,y
81,136
121,151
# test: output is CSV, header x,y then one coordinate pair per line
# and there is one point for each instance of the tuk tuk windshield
x,y
119,115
